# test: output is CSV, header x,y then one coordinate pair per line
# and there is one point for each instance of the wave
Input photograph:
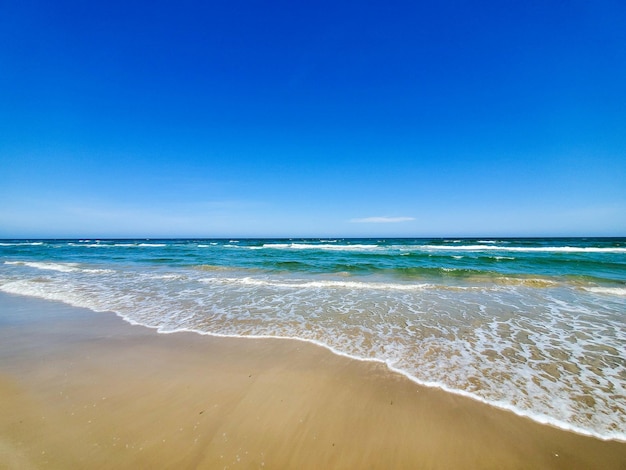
x,y
341,245
21,243
315,246
525,249
493,283
117,245
620,291
92,245
306,284
61,267
486,246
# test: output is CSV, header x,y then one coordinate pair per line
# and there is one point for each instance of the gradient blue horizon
x,y
348,119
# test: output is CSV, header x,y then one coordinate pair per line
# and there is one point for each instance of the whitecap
x,y
620,291
61,267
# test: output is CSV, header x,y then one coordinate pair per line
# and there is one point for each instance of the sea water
x,y
535,326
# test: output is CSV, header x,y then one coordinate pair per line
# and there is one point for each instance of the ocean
x,y
535,326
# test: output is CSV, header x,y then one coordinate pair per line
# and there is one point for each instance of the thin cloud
x,y
381,220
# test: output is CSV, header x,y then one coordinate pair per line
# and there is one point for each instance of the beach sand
x,y
80,389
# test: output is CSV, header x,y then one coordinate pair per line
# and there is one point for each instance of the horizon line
x,y
282,237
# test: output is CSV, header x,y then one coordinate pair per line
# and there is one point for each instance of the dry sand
x,y
86,390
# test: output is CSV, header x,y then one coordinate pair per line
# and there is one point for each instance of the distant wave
x,y
21,243
116,245
491,246
529,249
313,246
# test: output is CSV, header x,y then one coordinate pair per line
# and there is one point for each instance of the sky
x,y
312,119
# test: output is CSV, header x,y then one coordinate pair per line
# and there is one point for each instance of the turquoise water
x,y
536,326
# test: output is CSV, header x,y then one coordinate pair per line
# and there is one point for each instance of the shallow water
x,y
532,325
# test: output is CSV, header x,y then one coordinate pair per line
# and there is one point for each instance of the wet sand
x,y
80,389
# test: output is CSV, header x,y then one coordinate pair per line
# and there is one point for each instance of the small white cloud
x,y
381,220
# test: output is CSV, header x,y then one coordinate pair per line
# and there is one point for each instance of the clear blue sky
x,y
321,118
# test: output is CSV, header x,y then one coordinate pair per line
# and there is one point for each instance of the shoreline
x,y
540,419
80,386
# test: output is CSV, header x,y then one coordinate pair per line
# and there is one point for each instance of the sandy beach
x,y
80,389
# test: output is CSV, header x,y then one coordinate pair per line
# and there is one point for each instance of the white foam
x,y
167,276
22,244
305,284
620,291
61,267
320,246
92,245
527,249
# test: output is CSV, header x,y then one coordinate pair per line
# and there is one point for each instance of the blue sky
x,y
325,118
